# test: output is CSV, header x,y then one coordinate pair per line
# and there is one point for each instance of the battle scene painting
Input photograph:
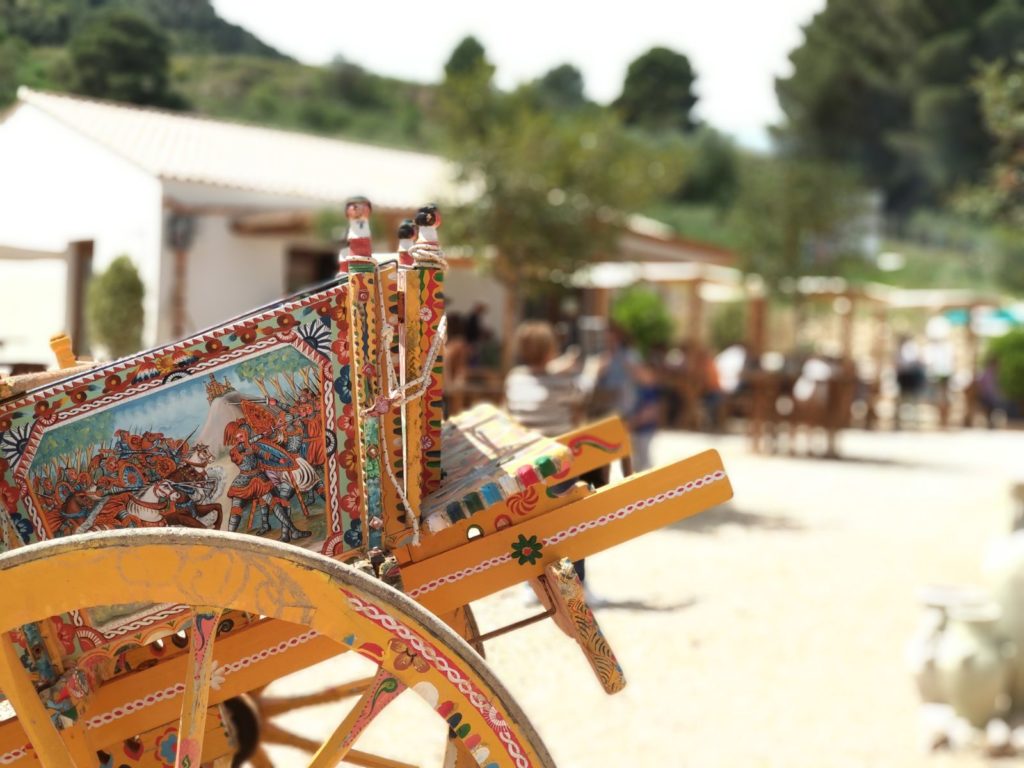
x,y
242,448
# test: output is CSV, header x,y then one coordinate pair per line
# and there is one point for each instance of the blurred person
x,y
910,374
730,363
542,392
645,415
939,364
456,363
709,386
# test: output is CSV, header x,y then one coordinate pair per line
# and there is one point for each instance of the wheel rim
x,y
198,568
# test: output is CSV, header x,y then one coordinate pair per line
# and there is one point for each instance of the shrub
x,y
114,307
1008,351
642,314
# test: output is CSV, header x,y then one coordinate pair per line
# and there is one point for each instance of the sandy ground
x,y
769,632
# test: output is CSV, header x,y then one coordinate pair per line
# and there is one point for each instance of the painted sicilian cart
x,y
182,527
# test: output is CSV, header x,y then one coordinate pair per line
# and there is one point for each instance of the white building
x,y
82,182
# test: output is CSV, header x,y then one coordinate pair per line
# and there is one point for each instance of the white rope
x,y
428,255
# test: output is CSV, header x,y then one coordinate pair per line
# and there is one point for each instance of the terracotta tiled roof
x,y
189,148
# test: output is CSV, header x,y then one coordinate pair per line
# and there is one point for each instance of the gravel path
x,y
769,632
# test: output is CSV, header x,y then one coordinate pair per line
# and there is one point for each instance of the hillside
x,y
193,25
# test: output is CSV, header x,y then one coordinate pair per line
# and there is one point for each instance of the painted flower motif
x,y
113,381
322,308
287,320
214,345
350,502
526,550
165,364
13,443
343,385
426,442
317,335
425,314
340,350
5,424
405,657
369,371
167,746
348,462
247,335
345,422
218,675
364,295
79,395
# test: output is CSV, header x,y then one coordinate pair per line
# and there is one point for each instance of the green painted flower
x,y
526,550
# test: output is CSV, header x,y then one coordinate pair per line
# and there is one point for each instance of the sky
x,y
737,47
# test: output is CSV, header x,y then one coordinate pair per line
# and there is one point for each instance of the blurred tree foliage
x,y
795,217
999,199
885,87
114,307
658,92
1008,352
549,188
118,54
341,98
561,88
193,25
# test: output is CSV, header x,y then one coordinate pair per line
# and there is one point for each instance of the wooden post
x,y
368,403
696,321
430,270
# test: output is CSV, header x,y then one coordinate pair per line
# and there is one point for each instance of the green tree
x,y
793,217
547,190
712,170
561,88
658,92
884,85
999,199
119,55
114,307
13,52
848,96
467,59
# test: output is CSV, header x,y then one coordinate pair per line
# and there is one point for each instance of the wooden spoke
x,y
384,689
275,734
335,602
365,759
261,759
195,700
457,756
32,715
271,706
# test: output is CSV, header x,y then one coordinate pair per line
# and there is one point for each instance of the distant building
x,y
218,217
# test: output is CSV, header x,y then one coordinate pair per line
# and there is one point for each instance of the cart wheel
x,y
213,571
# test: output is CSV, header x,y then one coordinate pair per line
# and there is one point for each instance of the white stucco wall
x,y
228,274
57,187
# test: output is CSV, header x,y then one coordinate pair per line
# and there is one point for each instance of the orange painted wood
x,y
638,505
